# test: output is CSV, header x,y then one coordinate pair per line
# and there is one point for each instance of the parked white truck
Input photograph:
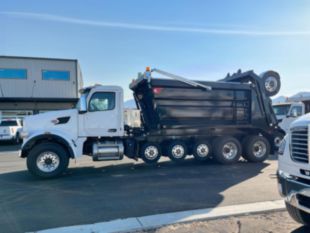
x,y
294,169
10,130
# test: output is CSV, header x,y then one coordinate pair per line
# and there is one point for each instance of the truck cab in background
x,y
287,112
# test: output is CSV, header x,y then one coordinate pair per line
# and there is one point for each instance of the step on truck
x,y
223,120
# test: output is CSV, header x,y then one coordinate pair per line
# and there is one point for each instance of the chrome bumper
x,y
295,192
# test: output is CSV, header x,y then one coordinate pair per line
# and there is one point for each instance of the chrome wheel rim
x,y
202,150
48,161
178,151
259,149
271,84
151,152
277,141
230,150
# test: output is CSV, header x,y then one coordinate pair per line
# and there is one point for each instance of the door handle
x,y
112,130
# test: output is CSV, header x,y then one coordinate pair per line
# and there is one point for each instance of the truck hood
x,y
45,120
301,121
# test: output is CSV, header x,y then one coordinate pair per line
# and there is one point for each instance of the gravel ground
x,y
259,223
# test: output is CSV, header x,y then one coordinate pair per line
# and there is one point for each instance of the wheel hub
x,y
271,84
259,149
178,151
230,150
48,161
202,150
151,152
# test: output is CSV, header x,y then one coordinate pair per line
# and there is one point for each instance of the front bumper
x,y
295,191
6,137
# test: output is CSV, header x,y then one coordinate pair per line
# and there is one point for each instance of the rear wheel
x,y
47,160
256,149
177,151
150,153
202,150
298,215
227,150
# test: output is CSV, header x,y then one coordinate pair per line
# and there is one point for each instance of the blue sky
x,y
199,39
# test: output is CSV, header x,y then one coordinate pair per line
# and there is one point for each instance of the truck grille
x,y
299,142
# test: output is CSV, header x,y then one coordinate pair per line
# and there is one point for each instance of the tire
x,y
177,151
202,150
256,149
150,153
298,215
227,150
49,153
271,82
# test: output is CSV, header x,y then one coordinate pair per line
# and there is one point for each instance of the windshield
x,y
281,109
8,123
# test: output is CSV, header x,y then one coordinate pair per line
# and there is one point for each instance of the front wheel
x,y
47,160
298,215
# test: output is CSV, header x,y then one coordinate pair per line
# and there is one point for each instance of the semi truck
x,y
223,120
294,169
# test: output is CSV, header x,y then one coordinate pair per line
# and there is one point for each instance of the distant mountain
x,y
130,104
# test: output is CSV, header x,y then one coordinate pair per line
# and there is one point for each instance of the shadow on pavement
x,y
89,194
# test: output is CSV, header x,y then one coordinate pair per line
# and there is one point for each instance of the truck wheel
x,y
298,215
202,150
47,160
256,149
150,153
177,151
271,82
227,150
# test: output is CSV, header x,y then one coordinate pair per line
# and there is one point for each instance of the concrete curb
x,y
153,221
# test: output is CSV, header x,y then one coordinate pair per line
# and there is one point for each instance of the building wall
x,y
34,86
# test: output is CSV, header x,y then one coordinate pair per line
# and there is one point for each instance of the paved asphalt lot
x,y
100,191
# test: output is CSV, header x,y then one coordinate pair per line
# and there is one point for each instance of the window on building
x,y
102,101
13,73
55,75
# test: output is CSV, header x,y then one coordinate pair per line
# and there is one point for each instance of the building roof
x,y
38,58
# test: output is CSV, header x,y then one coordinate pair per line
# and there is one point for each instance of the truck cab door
x,y
104,116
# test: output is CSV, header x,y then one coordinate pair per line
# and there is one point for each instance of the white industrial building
x,y
30,85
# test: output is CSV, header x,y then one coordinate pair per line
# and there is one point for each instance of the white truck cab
x,y
294,169
287,112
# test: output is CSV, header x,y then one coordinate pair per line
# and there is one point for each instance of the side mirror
x,y
83,104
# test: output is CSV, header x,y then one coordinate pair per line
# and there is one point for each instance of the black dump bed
x,y
173,104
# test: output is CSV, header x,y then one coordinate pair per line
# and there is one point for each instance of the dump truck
x,y
179,117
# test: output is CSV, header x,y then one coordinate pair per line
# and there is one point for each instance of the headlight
x,y
282,147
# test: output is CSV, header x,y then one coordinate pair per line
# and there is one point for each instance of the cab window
x,y
102,101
